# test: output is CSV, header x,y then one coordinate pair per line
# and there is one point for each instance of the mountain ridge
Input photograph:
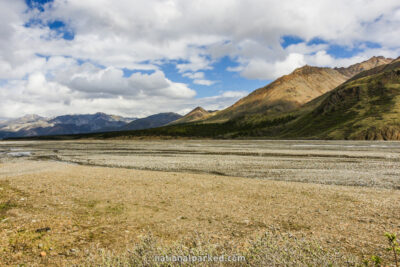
x,y
294,90
365,108
152,121
32,124
373,62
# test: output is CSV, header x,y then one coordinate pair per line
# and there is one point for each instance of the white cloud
x,y
261,69
181,30
90,79
37,95
203,82
195,63
217,102
194,75
139,35
198,78
234,94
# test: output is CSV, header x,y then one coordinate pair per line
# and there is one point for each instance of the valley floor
x,y
63,202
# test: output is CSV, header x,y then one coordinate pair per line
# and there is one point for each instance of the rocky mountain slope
x,y
366,65
26,122
294,90
365,107
95,122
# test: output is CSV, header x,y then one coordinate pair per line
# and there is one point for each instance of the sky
x,y
136,58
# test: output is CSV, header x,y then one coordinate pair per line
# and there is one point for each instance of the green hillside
x,y
366,107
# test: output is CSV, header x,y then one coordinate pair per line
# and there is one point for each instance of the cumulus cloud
x,y
198,78
182,30
40,71
37,95
194,75
91,79
261,69
203,82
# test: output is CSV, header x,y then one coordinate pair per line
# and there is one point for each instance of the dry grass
x,y
271,249
89,208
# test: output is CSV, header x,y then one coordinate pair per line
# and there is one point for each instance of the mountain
x,y
152,121
93,122
34,125
26,122
366,65
294,90
196,114
365,107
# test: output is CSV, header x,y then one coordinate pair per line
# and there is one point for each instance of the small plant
x,y
376,260
393,246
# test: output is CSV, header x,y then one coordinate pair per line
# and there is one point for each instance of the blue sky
x,y
224,80
137,58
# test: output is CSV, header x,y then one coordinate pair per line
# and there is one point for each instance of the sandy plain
x,y
70,199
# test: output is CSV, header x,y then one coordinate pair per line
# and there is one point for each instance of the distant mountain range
x,y
33,125
152,121
361,101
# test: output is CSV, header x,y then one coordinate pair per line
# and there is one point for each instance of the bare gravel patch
x,y
352,163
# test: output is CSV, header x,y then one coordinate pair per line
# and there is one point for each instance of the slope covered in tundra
x,y
291,91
